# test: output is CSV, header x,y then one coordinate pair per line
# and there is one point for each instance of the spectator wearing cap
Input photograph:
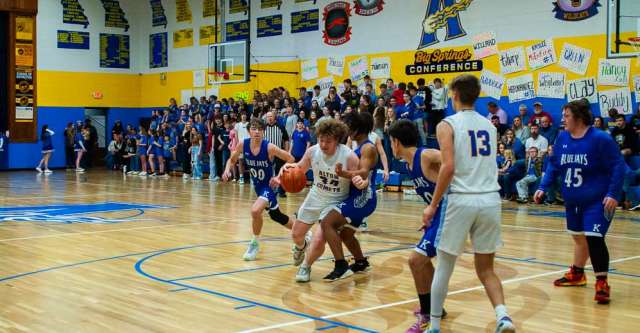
x,y
625,136
538,114
547,130
523,111
495,110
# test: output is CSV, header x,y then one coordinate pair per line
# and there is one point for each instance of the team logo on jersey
x,y
82,213
575,10
336,23
443,14
368,7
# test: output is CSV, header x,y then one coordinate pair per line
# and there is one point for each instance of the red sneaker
x,y
571,279
603,292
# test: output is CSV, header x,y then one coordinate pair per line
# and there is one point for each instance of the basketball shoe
x,y
572,278
603,291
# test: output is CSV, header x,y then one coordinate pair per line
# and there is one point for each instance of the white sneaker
x,y
38,169
241,181
304,274
185,176
142,174
124,169
505,325
364,227
47,171
80,170
252,251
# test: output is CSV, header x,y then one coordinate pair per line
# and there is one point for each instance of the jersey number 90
x,y
480,143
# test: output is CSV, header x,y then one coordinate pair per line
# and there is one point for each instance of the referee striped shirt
x,y
276,134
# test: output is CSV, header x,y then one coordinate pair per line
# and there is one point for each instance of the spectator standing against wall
x,y
439,103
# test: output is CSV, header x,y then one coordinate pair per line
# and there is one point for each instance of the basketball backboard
x,y
623,24
231,58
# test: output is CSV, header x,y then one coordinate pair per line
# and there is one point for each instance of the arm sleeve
x,y
613,162
550,174
50,131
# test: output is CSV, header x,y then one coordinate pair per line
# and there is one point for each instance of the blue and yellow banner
x,y
183,11
114,51
158,17
269,26
114,15
306,20
78,40
158,53
73,13
183,38
238,30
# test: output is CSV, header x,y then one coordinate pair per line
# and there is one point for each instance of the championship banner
x,y
238,30
73,13
114,15
306,20
269,26
183,38
78,40
237,6
208,35
209,8
158,17
183,11
158,50
265,4
114,51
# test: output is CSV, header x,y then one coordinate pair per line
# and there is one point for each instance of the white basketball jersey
x,y
327,185
475,141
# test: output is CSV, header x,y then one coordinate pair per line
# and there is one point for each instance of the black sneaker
x,y
337,274
360,266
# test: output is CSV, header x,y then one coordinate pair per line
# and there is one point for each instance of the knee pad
x,y
278,216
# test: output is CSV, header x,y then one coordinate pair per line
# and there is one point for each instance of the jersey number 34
x,y
480,143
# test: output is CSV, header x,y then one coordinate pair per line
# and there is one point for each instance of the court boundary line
x,y
388,305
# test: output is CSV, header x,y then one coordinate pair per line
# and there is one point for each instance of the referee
x,y
277,135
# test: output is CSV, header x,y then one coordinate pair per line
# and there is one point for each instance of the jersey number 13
x,y
480,143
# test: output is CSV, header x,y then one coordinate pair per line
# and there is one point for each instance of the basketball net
x,y
635,43
215,78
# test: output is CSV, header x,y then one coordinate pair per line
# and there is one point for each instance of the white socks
x,y
440,286
501,312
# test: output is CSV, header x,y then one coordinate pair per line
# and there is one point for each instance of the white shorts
x,y
315,209
476,215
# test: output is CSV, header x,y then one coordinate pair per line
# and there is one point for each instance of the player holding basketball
x,y
258,154
468,144
423,166
328,190
348,215
593,170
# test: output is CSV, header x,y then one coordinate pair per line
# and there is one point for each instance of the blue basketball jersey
x,y
372,172
590,167
260,166
424,187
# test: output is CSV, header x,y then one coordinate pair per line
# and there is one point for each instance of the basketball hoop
x,y
635,43
218,76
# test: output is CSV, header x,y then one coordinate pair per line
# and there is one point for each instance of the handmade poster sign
x,y
574,58
381,68
619,99
541,54
310,69
484,45
325,83
512,60
614,72
335,66
359,68
521,88
551,85
492,84
583,88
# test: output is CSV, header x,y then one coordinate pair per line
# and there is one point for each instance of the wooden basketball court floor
x,y
99,252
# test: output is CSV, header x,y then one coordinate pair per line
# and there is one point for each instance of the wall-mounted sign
x,y
443,14
78,40
24,94
443,61
114,51
269,26
337,30
158,53
238,30
183,11
114,15
306,20
368,7
73,13
158,17
575,10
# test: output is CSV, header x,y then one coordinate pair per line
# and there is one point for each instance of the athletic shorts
x,y
476,215
587,219
426,246
267,194
356,208
315,208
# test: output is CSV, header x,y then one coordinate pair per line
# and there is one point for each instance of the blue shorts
x,y
142,152
587,219
427,245
267,194
356,208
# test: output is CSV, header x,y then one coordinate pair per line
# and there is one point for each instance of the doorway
x,y
99,137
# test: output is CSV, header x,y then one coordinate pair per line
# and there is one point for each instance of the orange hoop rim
x,y
634,40
223,75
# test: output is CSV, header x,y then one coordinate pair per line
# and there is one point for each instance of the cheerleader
x,y
47,149
78,146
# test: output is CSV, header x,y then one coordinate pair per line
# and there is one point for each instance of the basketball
x,y
293,180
